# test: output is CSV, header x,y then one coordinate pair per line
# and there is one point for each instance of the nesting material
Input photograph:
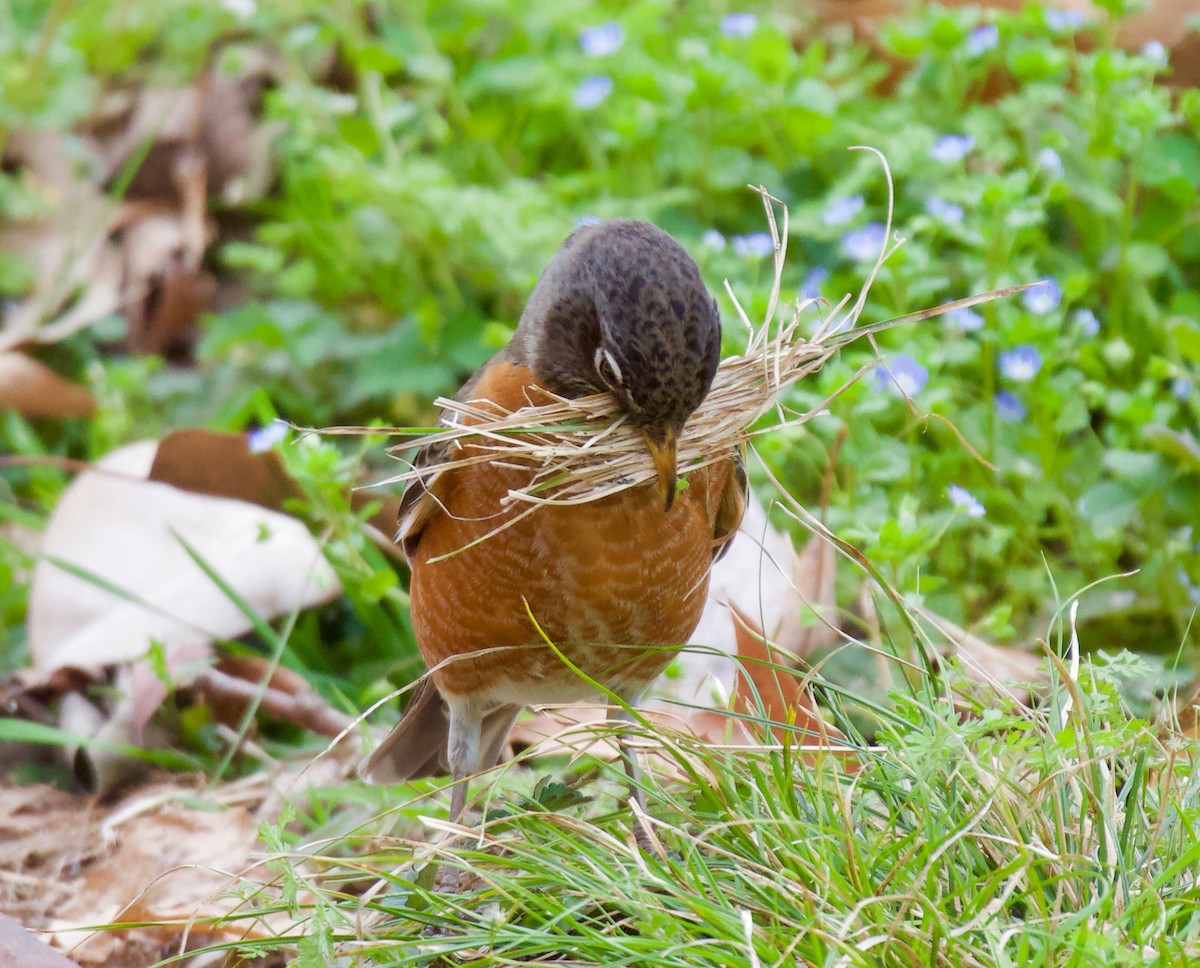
x,y
583,449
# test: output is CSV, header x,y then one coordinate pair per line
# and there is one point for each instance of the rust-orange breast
x,y
603,580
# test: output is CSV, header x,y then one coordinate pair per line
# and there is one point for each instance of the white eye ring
x,y
604,356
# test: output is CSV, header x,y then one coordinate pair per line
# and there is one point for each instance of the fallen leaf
x,y
236,681
810,626
127,533
75,265
755,577
216,117
34,390
172,869
223,465
20,949
1008,670
779,694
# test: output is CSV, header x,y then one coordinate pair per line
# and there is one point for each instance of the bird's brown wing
x,y
730,507
421,500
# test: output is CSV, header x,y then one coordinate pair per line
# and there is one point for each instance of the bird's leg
x,y
623,714
462,755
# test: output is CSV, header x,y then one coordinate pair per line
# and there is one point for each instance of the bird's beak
x,y
661,444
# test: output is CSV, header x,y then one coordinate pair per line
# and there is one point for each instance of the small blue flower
x,y
983,38
842,210
712,239
942,211
1010,407
1064,19
592,91
603,40
1155,52
964,320
1086,321
754,246
901,375
960,497
816,278
1042,297
1181,387
264,438
952,147
738,24
1021,364
1049,162
865,244
585,220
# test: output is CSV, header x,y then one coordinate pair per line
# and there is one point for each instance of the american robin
x,y
614,583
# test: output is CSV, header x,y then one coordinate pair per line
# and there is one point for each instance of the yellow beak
x,y
662,452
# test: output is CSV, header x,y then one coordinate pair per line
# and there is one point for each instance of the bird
x,y
617,584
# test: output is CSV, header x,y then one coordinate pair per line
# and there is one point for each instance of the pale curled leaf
x,y
116,525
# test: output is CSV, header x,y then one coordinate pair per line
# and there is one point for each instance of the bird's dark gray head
x,y
622,307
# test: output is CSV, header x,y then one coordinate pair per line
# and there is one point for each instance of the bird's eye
x,y
606,366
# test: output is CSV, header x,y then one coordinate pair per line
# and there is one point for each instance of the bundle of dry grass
x,y
578,452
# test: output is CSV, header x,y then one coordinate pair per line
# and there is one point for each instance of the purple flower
x,y
754,246
964,320
811,287
264,438
942,211
901,375
1086,321
712,239
1049,162
1065,19
1042,297
585,220
952,147
738,24
983,38
1021,364
1155,52
1009,407
1181,387
592,91
960,497
865,244
603,40
842,210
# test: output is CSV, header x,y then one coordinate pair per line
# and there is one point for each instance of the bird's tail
x,y
416,746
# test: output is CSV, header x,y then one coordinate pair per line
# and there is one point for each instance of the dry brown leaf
x,y
777,694
754,576
125,530
76,267
1188,712
1007,669
223,465
172,864
216,117
235,682
120,527
20,949
811,627
34,390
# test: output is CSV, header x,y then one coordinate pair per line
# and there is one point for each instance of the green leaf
x,y
1109,505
